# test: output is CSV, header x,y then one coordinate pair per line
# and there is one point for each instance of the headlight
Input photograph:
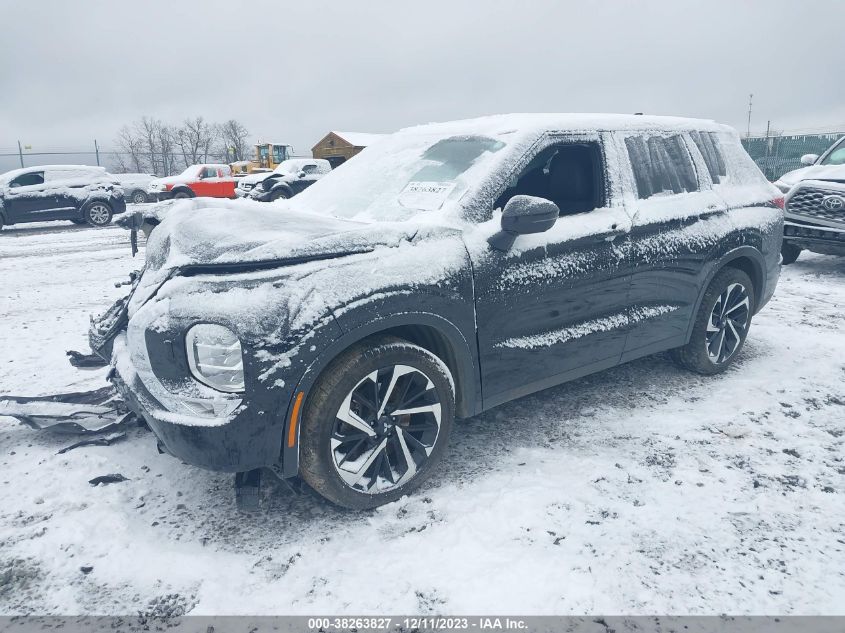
x,y
215,357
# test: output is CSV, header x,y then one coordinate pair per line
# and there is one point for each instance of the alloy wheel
x,y
728,323
98,214
385,429
139,197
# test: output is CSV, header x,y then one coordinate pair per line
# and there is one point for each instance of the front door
x,y
28,198
554,306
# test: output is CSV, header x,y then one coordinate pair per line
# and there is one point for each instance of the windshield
x,y
191,171
287,167
402,176
837,155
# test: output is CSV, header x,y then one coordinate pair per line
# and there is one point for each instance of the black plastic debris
x,y
114,478
105,440
85,361
86,569
77,413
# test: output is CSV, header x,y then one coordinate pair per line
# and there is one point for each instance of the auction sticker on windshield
x,y
425,195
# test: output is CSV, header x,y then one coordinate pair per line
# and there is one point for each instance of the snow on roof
x,y
503,123
9,175
359,139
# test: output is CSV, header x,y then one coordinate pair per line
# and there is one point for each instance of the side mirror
x,y
301,174
523,215
809,159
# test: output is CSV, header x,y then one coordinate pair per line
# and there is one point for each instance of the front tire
x,y
789,253
376,423
721,325
97,214
181,194
279,195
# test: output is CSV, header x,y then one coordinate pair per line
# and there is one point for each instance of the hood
x,y
814,172
206,235
174,180
255,178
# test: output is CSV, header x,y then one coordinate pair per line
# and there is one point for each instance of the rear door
x,y
675,212
69,188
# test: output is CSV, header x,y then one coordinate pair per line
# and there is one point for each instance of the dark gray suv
x,y
78,193
449,269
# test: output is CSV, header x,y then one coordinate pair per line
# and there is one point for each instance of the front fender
x,y
459,332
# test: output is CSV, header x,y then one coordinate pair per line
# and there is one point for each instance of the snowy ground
x,y
643,489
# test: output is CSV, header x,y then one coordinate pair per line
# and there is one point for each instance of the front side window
x,y
662,165
210,172
26,180
836,156
568,174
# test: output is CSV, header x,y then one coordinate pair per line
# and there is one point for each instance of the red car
x,y
208,181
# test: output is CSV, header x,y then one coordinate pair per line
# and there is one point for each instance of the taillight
x,y
780,202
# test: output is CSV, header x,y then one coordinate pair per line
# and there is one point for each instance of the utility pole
x,y
748,130
97,152
20,153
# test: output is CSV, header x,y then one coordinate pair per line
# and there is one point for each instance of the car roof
x,y
570,122
9,175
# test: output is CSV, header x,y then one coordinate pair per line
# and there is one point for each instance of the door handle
x,y
609,236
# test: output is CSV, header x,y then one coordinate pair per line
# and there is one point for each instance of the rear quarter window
x,y
661,164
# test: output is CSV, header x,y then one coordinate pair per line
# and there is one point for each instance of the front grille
x,y
246,186
808,202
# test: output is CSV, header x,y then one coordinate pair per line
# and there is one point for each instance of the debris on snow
x,y
105,440
114,478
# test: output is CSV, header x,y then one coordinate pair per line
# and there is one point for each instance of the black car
x,y
291,177
449,269
77,193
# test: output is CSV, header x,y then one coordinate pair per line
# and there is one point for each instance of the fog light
x,y
215,357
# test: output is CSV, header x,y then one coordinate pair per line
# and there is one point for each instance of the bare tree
x,y
234,136
195,138
132,150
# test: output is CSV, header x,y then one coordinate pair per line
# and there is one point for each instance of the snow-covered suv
x,y
446,270
78,193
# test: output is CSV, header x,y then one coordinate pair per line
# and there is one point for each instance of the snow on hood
x,y
814,172
255,178
176,180
242,232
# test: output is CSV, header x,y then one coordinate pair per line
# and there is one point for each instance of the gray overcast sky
x,y
71,71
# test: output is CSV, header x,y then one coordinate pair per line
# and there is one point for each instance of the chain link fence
x,y
777,154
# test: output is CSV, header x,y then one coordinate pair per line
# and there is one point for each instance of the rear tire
x,y
376,423
721,325
97,214
139,197
789,253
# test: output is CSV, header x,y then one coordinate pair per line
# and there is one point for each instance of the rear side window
x,y
661,164
708,145
26,180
